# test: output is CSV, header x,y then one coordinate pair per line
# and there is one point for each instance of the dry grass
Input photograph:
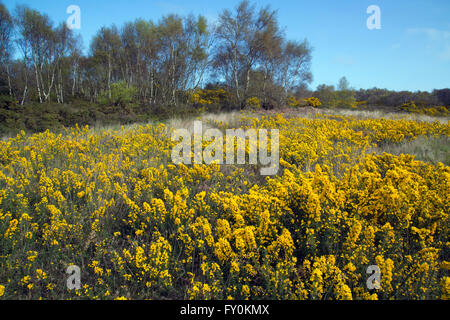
x,y
378,114
427,149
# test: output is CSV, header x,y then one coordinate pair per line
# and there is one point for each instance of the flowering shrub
x,y
358,104
313,102
140,227
253,103
293,102
208,97
432,111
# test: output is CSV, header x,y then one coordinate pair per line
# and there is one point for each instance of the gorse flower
x,y
144,228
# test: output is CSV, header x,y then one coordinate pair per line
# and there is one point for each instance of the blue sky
x,y
411,51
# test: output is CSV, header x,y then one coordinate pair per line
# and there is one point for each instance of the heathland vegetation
x,y
357,187
139,227
144,70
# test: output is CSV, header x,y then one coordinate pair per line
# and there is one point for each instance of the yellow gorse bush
x,y
313,102
141,227
253,102
432,111
208,97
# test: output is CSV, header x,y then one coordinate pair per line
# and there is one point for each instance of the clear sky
x,y
411,51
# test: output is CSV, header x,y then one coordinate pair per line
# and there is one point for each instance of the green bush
x,y
120,95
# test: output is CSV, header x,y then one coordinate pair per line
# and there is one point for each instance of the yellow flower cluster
x,y
208,97
432,111
313,102
113,203
253,102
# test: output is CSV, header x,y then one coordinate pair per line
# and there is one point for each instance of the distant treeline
x,y
344,96
397,98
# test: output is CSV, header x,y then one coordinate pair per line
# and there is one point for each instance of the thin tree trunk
x,y
151,85
74,79
25,90
9,80
173,74
37,81
247,83
38,86
50,84
236,80
264,86
109,77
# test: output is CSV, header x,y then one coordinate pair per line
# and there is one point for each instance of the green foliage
x,y
384,97
38,117
344,97
119,95
202,25
327,95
